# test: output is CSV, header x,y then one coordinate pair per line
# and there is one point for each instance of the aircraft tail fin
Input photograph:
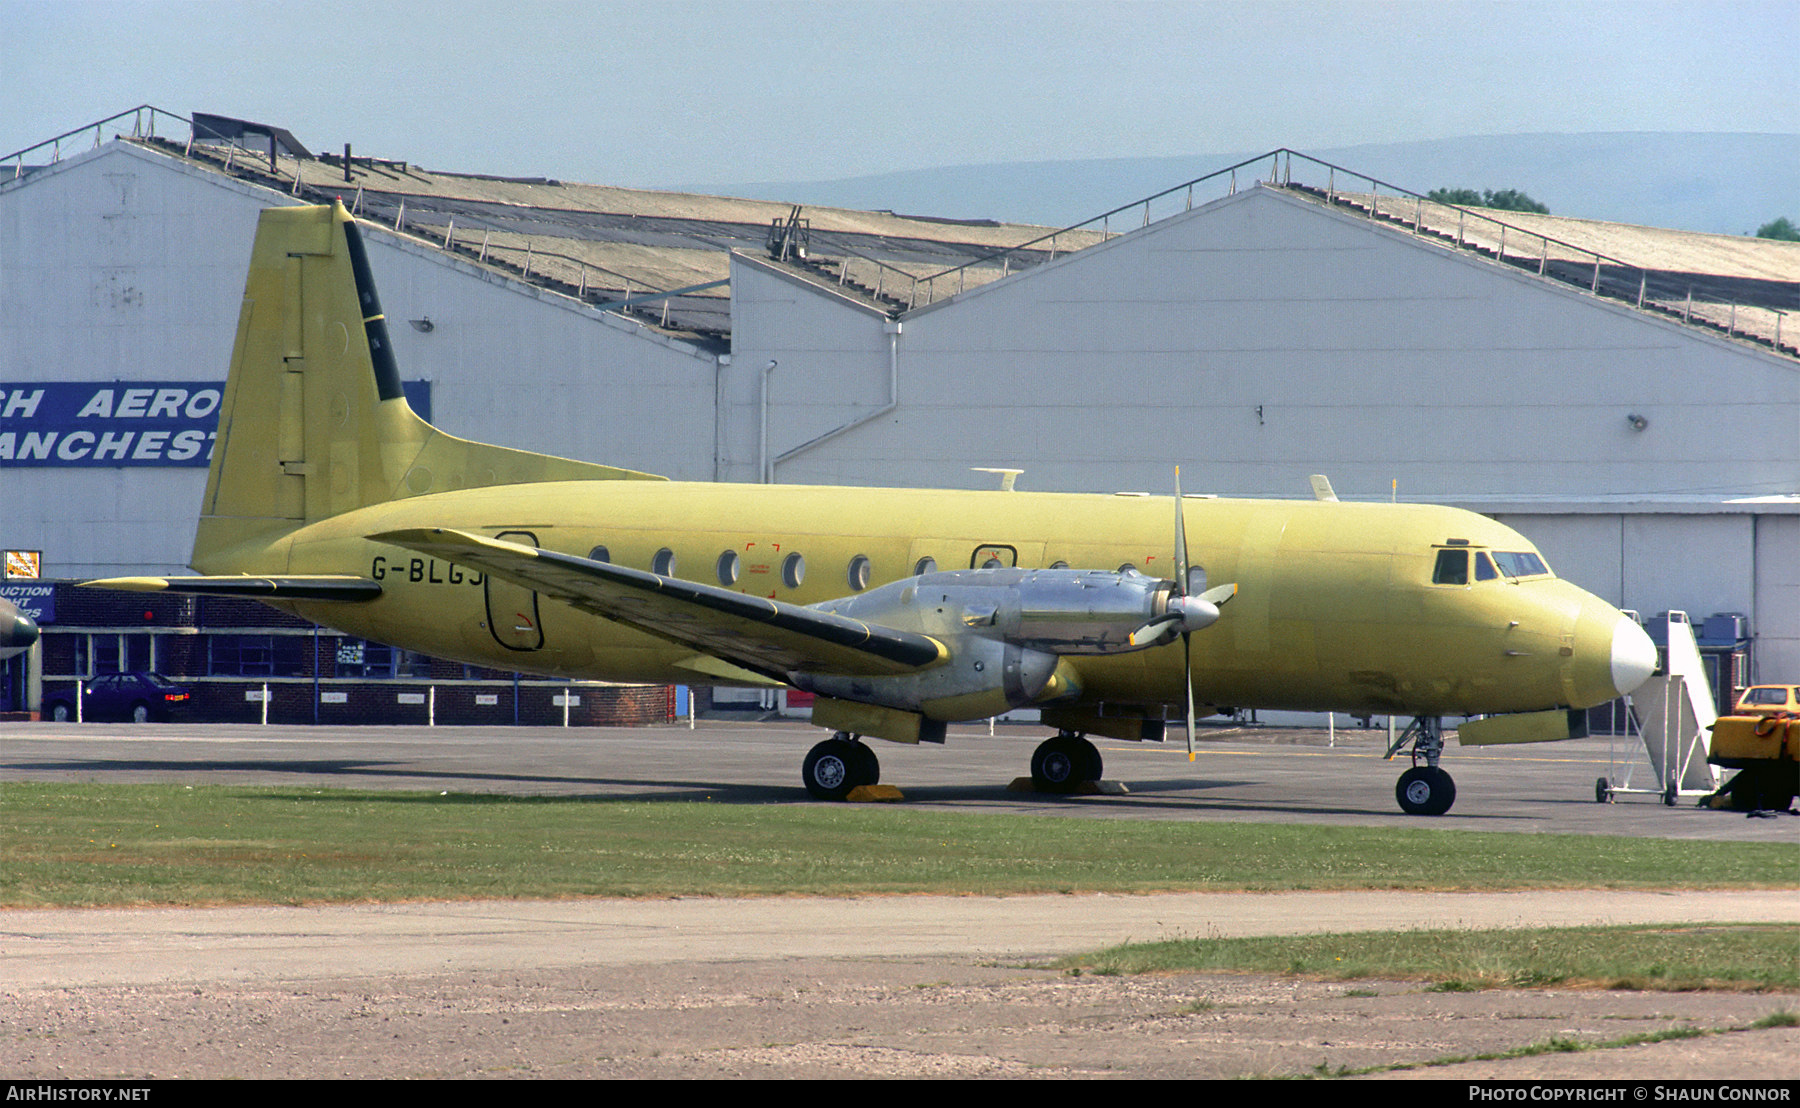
x,y
313,421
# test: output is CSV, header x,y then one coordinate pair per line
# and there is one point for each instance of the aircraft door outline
x,y
512,610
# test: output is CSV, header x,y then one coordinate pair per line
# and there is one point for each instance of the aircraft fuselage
x,y
1337,607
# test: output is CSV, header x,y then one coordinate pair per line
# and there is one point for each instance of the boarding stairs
x,y
1672,715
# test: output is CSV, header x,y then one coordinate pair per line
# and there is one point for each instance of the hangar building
x,y
1627,397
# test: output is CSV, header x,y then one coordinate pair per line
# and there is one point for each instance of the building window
x,y
259,656
358,658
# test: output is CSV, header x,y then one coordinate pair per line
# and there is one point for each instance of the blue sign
x,y
36,599
121,424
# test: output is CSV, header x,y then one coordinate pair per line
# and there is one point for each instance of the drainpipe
x,y
720,366
764,471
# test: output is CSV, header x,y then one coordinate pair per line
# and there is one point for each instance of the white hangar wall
x,y
116,266
124,265
1263,337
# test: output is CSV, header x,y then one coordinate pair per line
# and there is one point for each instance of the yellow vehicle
x,y
902,609
1767,700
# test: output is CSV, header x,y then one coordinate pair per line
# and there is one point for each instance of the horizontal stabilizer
x,y
349,589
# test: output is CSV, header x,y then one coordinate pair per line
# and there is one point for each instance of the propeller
x,y
1194,612
1184,614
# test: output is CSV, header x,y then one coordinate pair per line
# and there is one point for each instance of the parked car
x,y
1767,700
139,697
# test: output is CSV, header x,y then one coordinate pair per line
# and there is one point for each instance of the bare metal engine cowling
x,y
1006,631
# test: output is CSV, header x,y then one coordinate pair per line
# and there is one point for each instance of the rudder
x,y
313,422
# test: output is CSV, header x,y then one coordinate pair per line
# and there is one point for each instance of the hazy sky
x,y
697,92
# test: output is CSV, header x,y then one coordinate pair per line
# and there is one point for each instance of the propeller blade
x,y
1193,614
1219,594
1187,669
1157,630
1181,547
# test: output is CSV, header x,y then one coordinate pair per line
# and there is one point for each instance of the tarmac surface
x,y
880,986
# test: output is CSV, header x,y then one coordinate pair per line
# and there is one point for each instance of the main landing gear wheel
x,y
1425,791
1603,793
1064,763
838,765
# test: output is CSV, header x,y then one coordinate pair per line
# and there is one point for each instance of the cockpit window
x,y
1484,567
1521,564
1452,568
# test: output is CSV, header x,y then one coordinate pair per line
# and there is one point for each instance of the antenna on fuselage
x,y
1007,476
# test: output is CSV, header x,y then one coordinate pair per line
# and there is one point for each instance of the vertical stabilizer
x,y
313,422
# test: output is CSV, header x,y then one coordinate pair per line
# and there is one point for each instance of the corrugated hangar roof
x,y
625,249
1748,288
663,258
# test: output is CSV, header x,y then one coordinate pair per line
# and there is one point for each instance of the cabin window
x,y
1522,563
1196,580
663,563
793,570
858,574
924,566
599,554
1484,567
728,568
1452,568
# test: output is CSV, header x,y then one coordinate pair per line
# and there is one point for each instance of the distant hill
x,y
1723,183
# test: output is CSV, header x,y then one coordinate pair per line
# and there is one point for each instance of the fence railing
x,y
1692,300
143,125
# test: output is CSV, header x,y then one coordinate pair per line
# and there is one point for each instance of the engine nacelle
x,y
1061,611
1006,631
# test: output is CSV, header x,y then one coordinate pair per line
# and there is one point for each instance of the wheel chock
x,y
875,794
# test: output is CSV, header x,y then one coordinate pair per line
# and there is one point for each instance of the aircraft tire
x,y
1059,763
830,769
866,765
1425,791
1091,764
1603,793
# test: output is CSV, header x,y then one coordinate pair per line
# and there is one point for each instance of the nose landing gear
x,y
1424,790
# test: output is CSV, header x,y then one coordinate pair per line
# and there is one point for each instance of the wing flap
x,y
317,587
765,636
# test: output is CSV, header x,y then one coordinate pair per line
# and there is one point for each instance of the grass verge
x,y
82,844
1677,958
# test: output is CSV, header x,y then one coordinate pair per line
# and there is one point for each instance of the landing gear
x,y
1064,763
838,765
1424,790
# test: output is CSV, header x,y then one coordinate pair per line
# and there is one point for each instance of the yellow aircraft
x,y
902,609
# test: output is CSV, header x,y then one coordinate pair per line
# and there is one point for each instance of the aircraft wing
x,y
764,636
316,587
